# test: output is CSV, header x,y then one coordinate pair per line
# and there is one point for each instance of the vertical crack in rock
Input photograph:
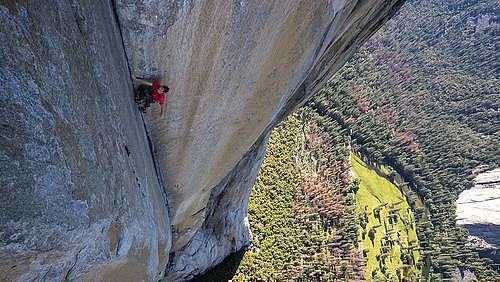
x,y
117,20
152,150
66,277
156,163
74,204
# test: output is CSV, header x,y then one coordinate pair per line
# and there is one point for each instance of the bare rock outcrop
x,y
481,203
478,210
82,194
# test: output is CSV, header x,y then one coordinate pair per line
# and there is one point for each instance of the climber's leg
x,y
143,97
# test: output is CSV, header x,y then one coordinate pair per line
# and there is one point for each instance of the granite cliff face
x,y
83,195
478,210
235,69
79,196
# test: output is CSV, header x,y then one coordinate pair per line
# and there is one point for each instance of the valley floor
x,y
388,236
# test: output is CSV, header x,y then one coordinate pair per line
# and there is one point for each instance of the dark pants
x,y
143,96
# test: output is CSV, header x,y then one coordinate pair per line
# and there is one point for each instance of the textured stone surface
x,y
235,68
478,210
78,189
481,203
463,276
226,228
80,196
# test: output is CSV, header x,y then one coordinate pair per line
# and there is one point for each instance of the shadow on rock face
x,y
488,232
487,240
492,254
223,271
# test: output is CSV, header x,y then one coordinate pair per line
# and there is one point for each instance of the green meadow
x,y
387,236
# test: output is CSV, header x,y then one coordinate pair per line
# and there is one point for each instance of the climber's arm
x,y
141,81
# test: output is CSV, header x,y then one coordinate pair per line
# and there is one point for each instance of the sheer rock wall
x,y
81,197
235,69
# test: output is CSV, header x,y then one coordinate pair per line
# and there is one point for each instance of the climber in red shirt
x,y
150,92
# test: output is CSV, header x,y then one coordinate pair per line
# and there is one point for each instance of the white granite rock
x,y
481,203
478,209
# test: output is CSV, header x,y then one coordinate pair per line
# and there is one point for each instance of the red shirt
x,y
157,96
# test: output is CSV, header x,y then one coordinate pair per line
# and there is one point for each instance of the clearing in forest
x,y
387,236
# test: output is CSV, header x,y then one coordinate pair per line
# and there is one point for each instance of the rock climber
x,y
150,92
